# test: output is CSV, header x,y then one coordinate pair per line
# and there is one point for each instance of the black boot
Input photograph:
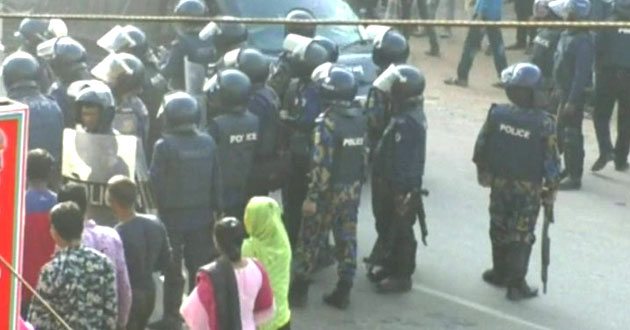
x,y
298,293
394,285
340,297
518,261
496,275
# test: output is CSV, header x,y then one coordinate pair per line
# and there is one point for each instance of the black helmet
x,y
20,69
35,31
335,82
191,8
181,112
390,48
308,58
523,84
231,88
306,30
331,47
409,82
225,35
252,63
96,93
66,56
122,72
140,40
134,79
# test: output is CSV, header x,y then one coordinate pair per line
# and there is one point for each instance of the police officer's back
x,y
236,134
20,74
516,156
546,40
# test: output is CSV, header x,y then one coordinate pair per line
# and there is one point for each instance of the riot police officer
x,y
516,156
187,44
185,173
67,59
612,63
398,167
33,32
337,172
124,73
572,74
280,74
270,159
390,47
236,134
301,106
20,74
130,39
544,48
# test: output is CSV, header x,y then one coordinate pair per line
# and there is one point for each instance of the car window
x,y
269,38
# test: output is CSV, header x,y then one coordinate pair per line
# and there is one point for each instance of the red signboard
x,y
13,119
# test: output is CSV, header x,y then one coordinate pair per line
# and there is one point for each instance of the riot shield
x,y
92,159
195,76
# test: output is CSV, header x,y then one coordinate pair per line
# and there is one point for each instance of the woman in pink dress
x,y
232,293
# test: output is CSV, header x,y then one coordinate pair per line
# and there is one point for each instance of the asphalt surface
x,y
588,286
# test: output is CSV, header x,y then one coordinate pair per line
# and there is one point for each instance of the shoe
x,y
570,184
298,293
516,46
394,285
340,297
432,53
377,275
493,278
622,167
167,323
456,82
601,162
521,292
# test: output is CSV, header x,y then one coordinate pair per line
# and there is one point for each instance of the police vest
x,y
351,145
237,140
515,143
189,171
545,45
264,104
414,158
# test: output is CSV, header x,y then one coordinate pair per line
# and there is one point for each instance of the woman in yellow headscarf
x,y
269,243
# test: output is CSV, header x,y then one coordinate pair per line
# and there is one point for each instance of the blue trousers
x,y
472,46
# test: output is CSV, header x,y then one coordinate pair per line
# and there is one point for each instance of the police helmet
x,y
254,64
20,69
140,44
65,56
190,8
571,10
134,78
181,112
335,82
306,30
541,9
225,35
308,58
330,46
34,31
409,82
95,93
231,88
523,84
390,48
622,8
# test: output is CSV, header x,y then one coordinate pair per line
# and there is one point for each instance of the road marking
x,y
478,307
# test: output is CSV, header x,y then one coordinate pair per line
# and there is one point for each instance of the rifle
x,y
546,243
422,217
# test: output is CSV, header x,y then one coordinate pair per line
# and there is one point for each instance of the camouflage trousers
x,y
337,210
514,208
